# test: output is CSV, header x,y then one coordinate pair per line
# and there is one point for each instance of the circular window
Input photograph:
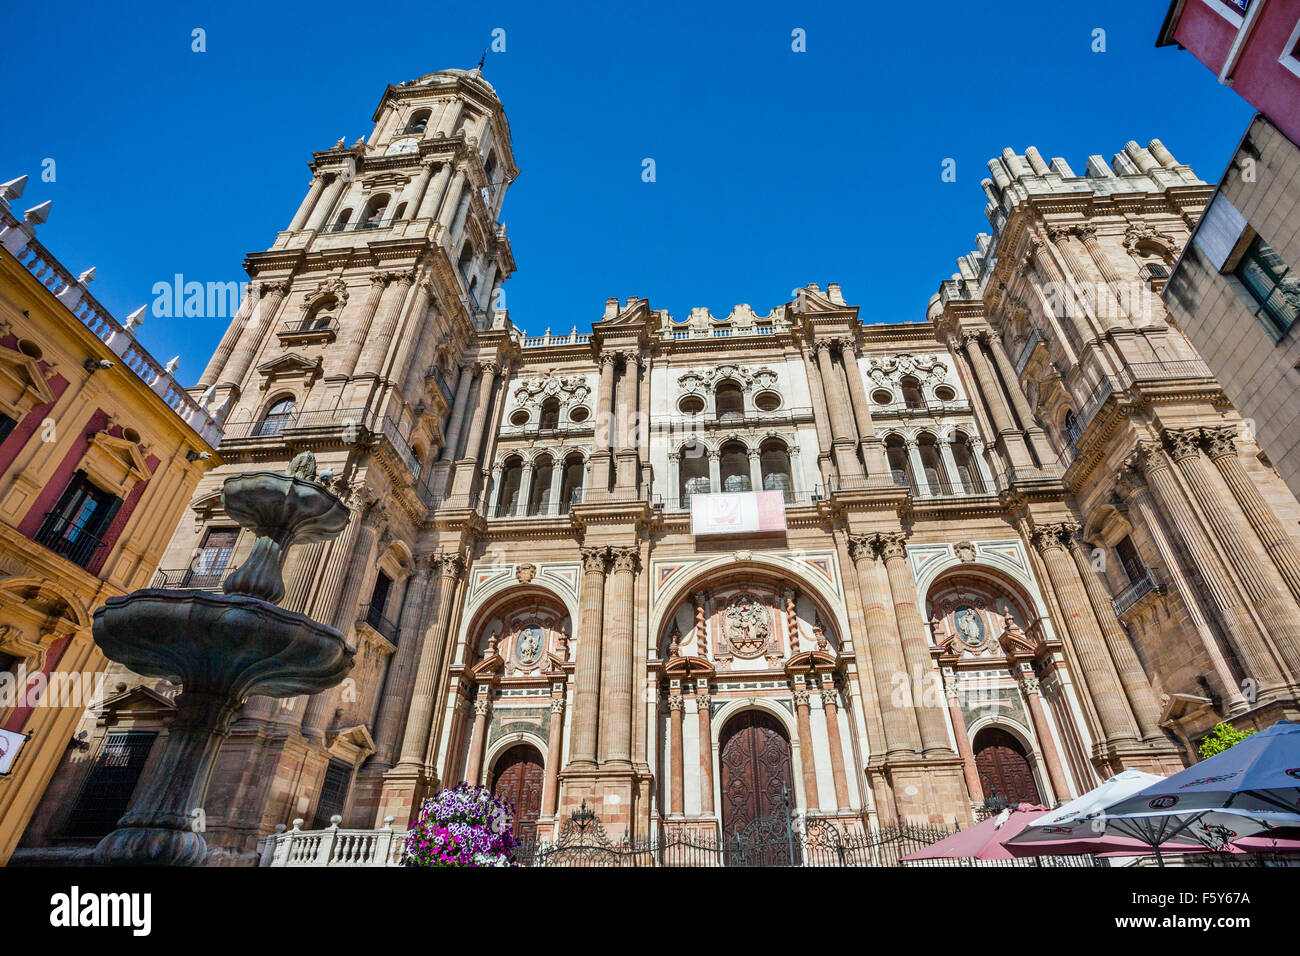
x,y
882,397
944,394
767,401
519,418
691,404
578,414
131,435
29,348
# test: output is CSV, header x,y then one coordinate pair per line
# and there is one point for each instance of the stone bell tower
x,y
360,341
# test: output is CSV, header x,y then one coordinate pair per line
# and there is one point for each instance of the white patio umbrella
x,y
1249,788
1067,829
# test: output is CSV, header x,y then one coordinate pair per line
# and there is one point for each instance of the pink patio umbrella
x,y
983,841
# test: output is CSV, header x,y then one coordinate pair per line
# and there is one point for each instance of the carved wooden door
x,y
755,759
1003,767
519,783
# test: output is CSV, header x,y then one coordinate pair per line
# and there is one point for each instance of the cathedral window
x,y
730,401
539,497
276,417
911,388
1130,560
1071,425
490,170
774,463
899,464
936,476
373,216
735,467
341,222
571,485
968,475
550,413
511,478
694,472
418,122
212,558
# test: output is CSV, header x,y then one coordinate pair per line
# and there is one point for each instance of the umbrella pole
x,y
1160,860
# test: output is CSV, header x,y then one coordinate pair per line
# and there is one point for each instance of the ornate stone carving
x,y
482,708
861,548
453,565
747,626
1183,442
1220,442
625,559
1029,685
594,560
557,706
676,702
890,544
525,572
1056,534
965,551
801,698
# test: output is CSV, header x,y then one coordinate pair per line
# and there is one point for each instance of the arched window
x,y
490,170
900,466
774,464
694,472
539,497
418,122
730,401
341,222
465,264
911,389
550,413
373,216
401,211
968,475
1072,430
276,417
735,467
936,476
571,486
321,314
511,476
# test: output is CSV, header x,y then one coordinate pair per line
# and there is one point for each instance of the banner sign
x,y
738,512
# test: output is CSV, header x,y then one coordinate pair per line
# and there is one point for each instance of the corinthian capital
x,y
1146,457
1184,443
594,560
861,548
452,565
1056,534
625,559
1221,441
890,544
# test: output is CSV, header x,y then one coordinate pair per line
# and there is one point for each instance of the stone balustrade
x,y
333,846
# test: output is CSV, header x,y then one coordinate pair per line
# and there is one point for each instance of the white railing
x,y
333,846
541,341
19,239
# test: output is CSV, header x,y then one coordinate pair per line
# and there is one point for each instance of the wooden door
x,y
518,781
755,759
1003,767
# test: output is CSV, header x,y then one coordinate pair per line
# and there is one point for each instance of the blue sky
x,y
774,168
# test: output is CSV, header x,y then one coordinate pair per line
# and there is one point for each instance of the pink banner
x,y
738,513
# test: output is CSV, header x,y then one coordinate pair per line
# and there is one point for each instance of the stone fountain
x,y
221,648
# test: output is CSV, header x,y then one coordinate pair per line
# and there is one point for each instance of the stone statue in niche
x,y
969,625
529,644
747,626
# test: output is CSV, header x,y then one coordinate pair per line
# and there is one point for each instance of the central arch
x,y
517,779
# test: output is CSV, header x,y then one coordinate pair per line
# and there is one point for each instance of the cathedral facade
x,y
693,571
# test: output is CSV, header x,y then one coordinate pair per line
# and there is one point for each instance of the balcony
x,y
550,509
188,578
362,225
69,540
1127,599
333,846
373,616
323,328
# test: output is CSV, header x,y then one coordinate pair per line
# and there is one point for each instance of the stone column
x,y
806,763
873,449
1060,238
918,467
703,706
376,347
628,387
1130,486
271,295
755,470
414,190
452,200
401,667
419,719
432,197
1221,445
361,330
525,489
821,406
452,435
1249,644
478,739
554,749
676,763
212,373
308,203
1137,687
1028,423
601,456
968,768
885,657
586,682
325,205
1055,770
715,470
320,709
987,382
474,440
830,707
981,463
616,677
842,443
1082,630
1264,587
950,466
1088,235
911,630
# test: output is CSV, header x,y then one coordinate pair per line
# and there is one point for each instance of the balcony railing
x,y
1136,591
318,325
333,846
1027,351
362,225
68,539
933,409
374,616
188,578
545,509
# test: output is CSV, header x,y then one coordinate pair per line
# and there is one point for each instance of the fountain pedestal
x,y
221,648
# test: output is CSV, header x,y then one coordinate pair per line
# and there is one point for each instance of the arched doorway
x,y
754,757
1003,766
517,779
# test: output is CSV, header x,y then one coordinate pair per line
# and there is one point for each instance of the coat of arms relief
x,y
747,626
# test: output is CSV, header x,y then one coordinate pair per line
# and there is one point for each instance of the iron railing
x,y
169,578
1135,592
67,539
932,409
374,616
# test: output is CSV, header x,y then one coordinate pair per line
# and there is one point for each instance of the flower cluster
x,y
463,826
